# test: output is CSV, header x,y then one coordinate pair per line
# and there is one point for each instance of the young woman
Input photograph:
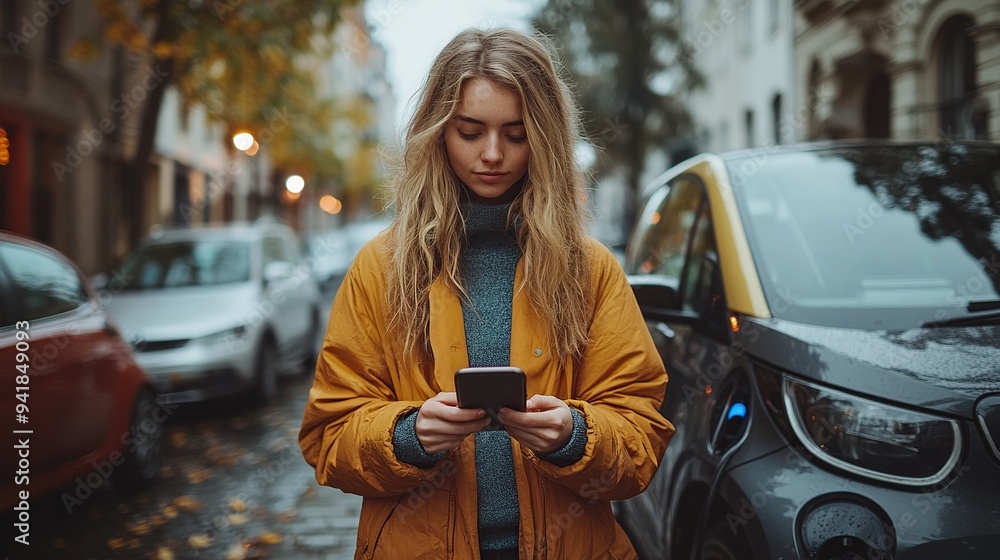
x,y
487,264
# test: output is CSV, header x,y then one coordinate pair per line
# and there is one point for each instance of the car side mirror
x,y
278,270
658,297
655,291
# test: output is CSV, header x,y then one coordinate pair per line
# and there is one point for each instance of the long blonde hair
x,y
426,235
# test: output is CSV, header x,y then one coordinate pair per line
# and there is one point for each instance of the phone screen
x,y
491,388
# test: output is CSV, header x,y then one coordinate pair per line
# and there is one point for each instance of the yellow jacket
x,y
364,384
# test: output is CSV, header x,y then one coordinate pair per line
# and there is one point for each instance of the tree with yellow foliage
x,y
247,62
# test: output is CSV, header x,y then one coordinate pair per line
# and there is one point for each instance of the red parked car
x,y
77,409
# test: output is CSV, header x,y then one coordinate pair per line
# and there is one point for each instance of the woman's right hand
x,y
441,425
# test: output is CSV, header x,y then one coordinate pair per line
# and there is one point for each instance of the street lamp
x,y
295,184
243,141
330,204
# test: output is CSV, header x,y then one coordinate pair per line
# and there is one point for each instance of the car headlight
x,y
236,335
869,438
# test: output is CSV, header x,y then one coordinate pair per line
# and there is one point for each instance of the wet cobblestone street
x,y
233,486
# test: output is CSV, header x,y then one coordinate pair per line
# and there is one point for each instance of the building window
x,y
776,118
8,18
961,114
878,106
56,32
747,27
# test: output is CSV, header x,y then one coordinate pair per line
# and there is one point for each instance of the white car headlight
x,y
236,335
872,439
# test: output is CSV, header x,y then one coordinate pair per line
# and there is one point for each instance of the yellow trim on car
x,y
744,293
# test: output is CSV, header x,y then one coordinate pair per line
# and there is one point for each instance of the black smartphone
x,y
491,388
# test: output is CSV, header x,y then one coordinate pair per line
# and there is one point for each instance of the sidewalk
x,y
325,526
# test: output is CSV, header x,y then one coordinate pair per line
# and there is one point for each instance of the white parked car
x,y
217,310
332,251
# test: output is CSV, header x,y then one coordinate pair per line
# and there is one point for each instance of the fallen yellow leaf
x,y
187,502
198,476
237,505
116,543
238,518
269,538
236,552
199,541
164,553
170,512
139,527
178,439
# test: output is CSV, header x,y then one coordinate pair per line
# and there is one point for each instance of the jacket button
x,y
538,351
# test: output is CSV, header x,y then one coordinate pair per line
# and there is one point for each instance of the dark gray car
x,y
829,316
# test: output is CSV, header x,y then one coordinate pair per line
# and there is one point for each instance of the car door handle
x,y
666,331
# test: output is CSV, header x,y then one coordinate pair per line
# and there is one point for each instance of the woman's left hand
x,y
545,427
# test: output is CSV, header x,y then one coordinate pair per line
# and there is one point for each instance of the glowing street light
x,y
243,141
330,204
295,184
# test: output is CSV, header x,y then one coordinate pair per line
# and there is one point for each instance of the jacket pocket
x,y
414,527
371,526
600,512
574,527
452,525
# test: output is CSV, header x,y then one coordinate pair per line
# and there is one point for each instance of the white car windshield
x,y
885,237
188,263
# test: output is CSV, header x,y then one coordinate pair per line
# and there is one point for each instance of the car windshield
x,y
188,263
877,238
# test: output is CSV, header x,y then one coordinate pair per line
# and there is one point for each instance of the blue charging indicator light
x,y
737,410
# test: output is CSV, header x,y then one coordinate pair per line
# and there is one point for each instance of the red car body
x,y
87,411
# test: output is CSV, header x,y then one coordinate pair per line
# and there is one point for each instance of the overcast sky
x,y
413,32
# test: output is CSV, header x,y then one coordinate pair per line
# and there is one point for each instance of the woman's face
x,y
486,142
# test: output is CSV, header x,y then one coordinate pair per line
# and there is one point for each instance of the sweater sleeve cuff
x,y
574,448
407,447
